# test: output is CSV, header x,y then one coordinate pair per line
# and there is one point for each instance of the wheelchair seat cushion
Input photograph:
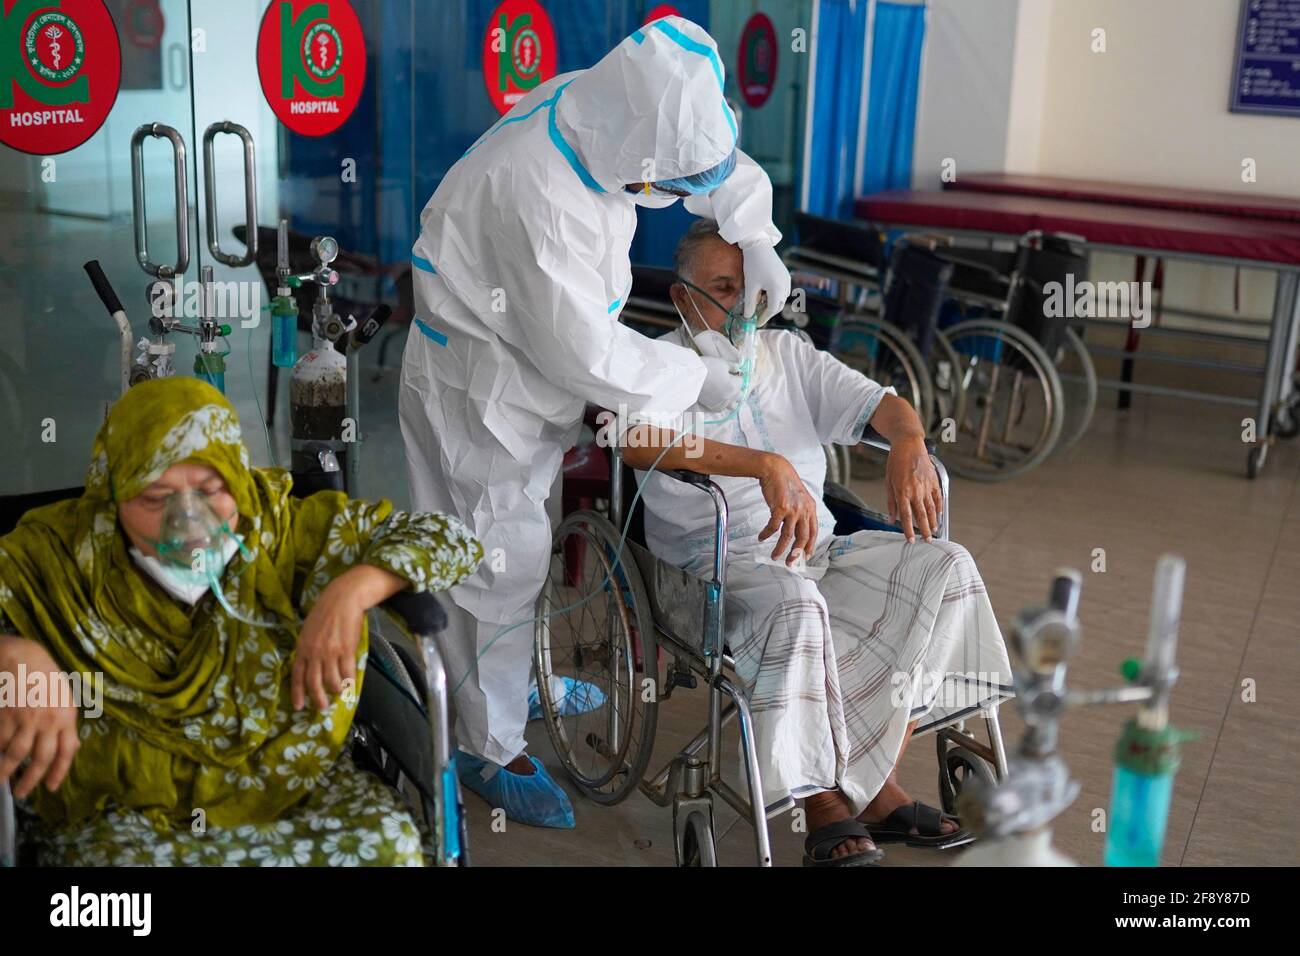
x,y
350,819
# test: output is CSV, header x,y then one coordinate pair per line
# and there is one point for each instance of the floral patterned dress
x,y
195,754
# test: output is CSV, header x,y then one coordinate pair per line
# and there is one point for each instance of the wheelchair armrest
x,y
420,610
873,439
690,477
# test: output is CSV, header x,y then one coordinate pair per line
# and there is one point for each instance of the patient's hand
x,y
326,657
914,496
47,734
793,510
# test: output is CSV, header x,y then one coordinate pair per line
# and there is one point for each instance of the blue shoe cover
x,y
575,697
534,799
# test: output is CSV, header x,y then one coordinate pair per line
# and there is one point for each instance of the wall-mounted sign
x,y
1266,77
60,68
661,11
518,52
757,60
311,57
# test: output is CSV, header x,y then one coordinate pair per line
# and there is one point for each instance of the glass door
x,y
95,124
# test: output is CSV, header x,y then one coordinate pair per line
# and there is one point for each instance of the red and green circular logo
x,y
60,67
311,58
661,11
518,52
757,73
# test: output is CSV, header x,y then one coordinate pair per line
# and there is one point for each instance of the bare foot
x,y
829,807
889,799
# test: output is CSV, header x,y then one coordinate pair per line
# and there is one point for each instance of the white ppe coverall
x,y
520,272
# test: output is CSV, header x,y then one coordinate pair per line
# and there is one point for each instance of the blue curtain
x,y
891,109
841,44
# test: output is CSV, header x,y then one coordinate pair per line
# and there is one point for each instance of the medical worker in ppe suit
x,y
520,272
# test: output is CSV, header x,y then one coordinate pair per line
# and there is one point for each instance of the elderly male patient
x,y
842,643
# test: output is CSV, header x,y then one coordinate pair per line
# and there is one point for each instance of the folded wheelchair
x,y
962,333
402,728
638,628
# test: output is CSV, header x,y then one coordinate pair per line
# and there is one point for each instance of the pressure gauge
x,y
325,248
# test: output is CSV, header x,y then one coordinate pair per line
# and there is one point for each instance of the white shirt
x,y
801,398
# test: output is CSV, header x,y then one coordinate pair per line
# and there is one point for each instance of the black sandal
x,y
928,823
818,845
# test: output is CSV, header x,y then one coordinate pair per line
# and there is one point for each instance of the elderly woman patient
x,y
842,643
227,620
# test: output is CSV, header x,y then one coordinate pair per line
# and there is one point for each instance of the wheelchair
x,y
401,731
1031,382
642,612
881,307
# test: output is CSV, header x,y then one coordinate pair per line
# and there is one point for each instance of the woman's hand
x,y
47,734
915,499
793,510
326,658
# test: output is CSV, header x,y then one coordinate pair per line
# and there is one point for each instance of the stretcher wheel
x,y
884,353
1013,409
957,768
695,844
1078,377
593,624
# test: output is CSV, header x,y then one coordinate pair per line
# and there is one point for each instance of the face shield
x,y
693,185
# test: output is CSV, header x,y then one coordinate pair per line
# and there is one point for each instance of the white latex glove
x,y
765,272
721,386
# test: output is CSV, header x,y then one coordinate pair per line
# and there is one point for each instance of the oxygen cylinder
x,y
318,395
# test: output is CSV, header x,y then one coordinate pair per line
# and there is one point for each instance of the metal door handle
x,y
168,133
250,193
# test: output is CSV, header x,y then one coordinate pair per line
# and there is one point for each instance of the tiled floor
x,y
1160,477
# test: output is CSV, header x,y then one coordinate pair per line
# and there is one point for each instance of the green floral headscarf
x,y
196,703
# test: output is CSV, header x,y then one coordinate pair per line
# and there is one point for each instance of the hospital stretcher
x,y
1226,240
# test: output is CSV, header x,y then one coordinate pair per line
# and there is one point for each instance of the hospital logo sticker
x,y
60,69
322,51
55,47
311,59
757,60
519,52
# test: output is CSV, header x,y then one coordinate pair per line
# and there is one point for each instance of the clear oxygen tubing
x,y
750,348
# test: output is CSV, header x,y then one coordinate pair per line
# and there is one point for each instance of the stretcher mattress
x,y
1160,230
1216,202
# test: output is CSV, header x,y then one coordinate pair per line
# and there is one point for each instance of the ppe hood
x,y
651,109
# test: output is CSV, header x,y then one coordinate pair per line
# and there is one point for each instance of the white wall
x,y
1154,107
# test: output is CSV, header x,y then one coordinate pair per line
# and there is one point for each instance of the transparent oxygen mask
x,y
193,545
192,536
740,330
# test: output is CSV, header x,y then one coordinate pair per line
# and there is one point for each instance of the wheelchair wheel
x,y
957,768
594,625
1013,410
949,387
695,845
883,353
1078,377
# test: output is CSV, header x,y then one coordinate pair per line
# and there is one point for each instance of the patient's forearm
x,y
642,445
897,421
